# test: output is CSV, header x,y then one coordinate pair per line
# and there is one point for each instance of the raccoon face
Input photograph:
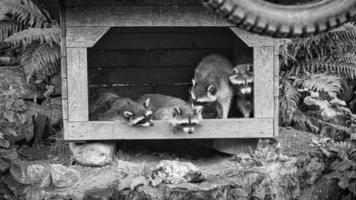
x,y
139,115
201,94
186,118
242,75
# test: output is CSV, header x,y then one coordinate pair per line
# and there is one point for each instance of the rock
x,y
62,176
4,143
29,172
174,172
3,165
93,154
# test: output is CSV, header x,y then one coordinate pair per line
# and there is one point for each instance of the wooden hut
x,y
141,46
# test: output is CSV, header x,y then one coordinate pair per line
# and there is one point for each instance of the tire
x,y
276,20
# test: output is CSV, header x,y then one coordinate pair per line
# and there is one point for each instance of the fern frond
x,y
24,12
40,59
289,100
50,36
323,83
7,28
346,68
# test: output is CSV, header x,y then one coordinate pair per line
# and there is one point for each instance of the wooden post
x,y
64,66
276,88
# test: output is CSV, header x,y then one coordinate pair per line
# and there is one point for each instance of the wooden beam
x,y
252,40
131,16
212,128
77,84
276,88
84,36
263,66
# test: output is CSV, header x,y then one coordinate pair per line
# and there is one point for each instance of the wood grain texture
x,y
276,88
263,82
77,84
142,16
84,36
253,40
156,58
139,75
64,89
165,38
214,128
181,91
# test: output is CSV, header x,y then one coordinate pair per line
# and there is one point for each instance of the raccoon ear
x,y
212,90
234,71
177,111
197,109
147,103
128,114
193,82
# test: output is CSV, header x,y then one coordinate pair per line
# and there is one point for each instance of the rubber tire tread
x,y
284,21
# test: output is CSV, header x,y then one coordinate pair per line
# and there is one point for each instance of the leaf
x,y
352,174
9,116
343,165
334,174
352,187
50,36
344,182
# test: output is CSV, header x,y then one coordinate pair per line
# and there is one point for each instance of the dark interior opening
x,y
133,61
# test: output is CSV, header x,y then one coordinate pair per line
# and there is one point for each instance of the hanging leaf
x,y
342,166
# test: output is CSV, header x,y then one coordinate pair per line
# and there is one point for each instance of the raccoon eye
x,y
212,90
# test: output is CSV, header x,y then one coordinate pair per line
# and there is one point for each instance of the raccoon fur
x,y
110,106
242,81
181,115
211,83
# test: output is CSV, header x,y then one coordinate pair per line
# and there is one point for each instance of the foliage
x,y
314,73
31,30
343,167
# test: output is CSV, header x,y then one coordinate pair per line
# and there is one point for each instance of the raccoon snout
x,y
188,130
151,123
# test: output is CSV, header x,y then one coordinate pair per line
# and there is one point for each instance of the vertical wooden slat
x,y
64,68
263,62
276,88
77,84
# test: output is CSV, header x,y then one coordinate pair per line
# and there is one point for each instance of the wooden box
x,y
137,47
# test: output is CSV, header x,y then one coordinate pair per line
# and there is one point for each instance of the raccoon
x,y
181,115
242,80
211,84
110,106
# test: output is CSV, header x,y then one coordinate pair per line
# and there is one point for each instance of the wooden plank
x,y
77,84
181,91
138,75
193,39
213,128
71,3
263,82
142,58
84,36
253,40
276,88
63,67
142,16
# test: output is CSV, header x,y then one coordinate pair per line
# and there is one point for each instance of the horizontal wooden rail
x,y
211,128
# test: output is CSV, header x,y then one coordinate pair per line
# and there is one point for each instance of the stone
x,y
93,154
29,172
3,165
174,172
62,176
